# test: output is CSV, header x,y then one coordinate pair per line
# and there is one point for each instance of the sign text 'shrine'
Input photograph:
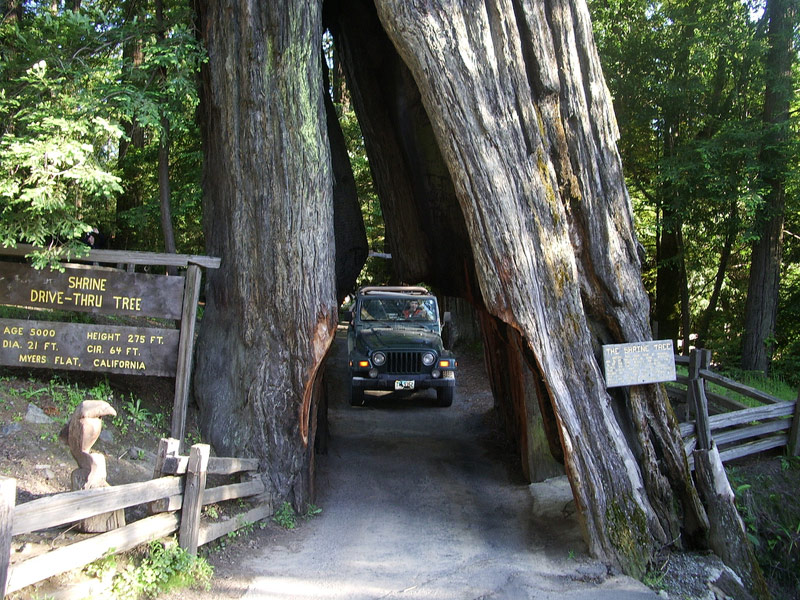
x,y
638,363
97,291
74,346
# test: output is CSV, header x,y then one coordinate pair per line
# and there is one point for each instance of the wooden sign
x,y
81,347
638,363
95,290
134,350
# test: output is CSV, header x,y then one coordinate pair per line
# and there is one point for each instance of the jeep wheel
x,y
444,396
356,396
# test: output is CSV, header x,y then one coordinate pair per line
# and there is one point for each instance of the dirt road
x,y
418,503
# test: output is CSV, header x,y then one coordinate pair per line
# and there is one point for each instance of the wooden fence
x,y
741,431
174,497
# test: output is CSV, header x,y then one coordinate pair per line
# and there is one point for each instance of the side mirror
x,y
447,317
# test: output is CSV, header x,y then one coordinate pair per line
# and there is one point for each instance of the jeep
x,y
394,342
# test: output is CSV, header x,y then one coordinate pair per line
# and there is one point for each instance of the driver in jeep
x,y
415,310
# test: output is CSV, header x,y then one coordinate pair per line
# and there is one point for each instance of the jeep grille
x,y
403,362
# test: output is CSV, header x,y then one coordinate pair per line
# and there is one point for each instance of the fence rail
x,y
178,484
742,431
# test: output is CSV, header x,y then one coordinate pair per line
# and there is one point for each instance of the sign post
x,y
144,349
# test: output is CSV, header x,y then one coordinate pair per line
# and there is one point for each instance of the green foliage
x,y
688,81
137,413
285,516
68,98
766,501
165,567
55,133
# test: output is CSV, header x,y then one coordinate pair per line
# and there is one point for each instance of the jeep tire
x,y
356,395
444,396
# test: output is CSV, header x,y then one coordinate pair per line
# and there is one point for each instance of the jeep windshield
x,y
404,310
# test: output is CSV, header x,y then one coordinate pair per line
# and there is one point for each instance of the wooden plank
x,y
233,491
742,389
697,398
211,531
193,497
680,359
8,496
759,413
127,257
686,429
734,435
229,466
82,553
754,447
175,465
184,360
74,506
217,465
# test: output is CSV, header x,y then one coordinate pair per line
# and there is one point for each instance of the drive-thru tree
x,y
491,139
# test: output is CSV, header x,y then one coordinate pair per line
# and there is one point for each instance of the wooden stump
x,y
80,433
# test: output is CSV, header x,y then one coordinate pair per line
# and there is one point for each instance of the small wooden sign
x,y
638,363
95,290
81,347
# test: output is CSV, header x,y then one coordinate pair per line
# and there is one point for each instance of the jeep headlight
x,y
428,359
378,359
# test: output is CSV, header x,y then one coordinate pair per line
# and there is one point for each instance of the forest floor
x,y
33,405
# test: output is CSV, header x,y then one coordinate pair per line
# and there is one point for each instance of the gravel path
x,y
419,503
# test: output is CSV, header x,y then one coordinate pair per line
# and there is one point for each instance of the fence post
x,y
193,497
794,436
696,394
166,447
8,498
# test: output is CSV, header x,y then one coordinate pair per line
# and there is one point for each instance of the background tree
x,y
686,86
767,254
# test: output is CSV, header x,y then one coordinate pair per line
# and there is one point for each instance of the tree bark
x,y
350,234
492,140
268,212
765,266
523,120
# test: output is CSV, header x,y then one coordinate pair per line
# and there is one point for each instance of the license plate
x,y
404,385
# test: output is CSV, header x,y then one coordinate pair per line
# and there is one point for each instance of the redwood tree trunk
x,y
524,122
268,213
491,135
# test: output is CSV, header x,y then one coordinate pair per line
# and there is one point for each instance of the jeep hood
x,y
398,338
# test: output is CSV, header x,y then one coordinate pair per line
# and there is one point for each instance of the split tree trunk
x,y
268,212
491,137
523,120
